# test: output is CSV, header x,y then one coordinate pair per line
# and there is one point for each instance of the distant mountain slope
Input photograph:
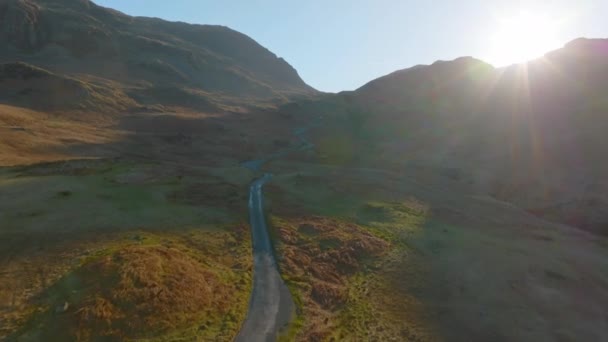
x,y
533,134
563,77
81,39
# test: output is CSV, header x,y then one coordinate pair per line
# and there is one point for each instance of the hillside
x,y
120,144
485,187
444,202
146,61
532,134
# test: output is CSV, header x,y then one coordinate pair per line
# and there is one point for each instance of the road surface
x,y
270,306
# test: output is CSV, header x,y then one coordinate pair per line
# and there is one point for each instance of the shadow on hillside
x,y
194,140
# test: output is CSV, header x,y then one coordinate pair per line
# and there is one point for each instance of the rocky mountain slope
x,y
532,134
137,61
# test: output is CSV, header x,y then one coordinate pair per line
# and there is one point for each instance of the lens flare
x,y
523,37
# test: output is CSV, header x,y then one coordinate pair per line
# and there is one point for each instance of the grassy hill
x,y
531,134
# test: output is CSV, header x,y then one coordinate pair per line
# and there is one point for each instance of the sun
x,y
523,37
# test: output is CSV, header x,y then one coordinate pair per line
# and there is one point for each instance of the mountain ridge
x,y
530,134
80,37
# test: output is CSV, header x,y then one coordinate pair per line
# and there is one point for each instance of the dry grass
x,y
158,286
28,137
146,289
319,258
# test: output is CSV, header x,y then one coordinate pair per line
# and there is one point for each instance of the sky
x,y
342,44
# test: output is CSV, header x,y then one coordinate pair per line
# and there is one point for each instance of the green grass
x,y
394,221
294,327
61,217
98,201
356,318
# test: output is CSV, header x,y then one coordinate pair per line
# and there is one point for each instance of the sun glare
x,y
523,37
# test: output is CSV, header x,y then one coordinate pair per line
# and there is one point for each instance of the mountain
x,y
532,134
119,62
416,208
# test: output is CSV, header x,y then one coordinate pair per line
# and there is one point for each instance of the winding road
x,y
270,306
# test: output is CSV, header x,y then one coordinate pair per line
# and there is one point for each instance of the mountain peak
x,y
462,67
79,37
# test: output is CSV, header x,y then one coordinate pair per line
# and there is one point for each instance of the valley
x,y
163,181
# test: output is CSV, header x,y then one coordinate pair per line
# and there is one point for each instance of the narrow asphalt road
x,y
270,305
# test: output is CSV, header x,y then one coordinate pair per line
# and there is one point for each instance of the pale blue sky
x,y
342,44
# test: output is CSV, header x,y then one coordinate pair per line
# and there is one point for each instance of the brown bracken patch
x,y
191,286
318,255
140,289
